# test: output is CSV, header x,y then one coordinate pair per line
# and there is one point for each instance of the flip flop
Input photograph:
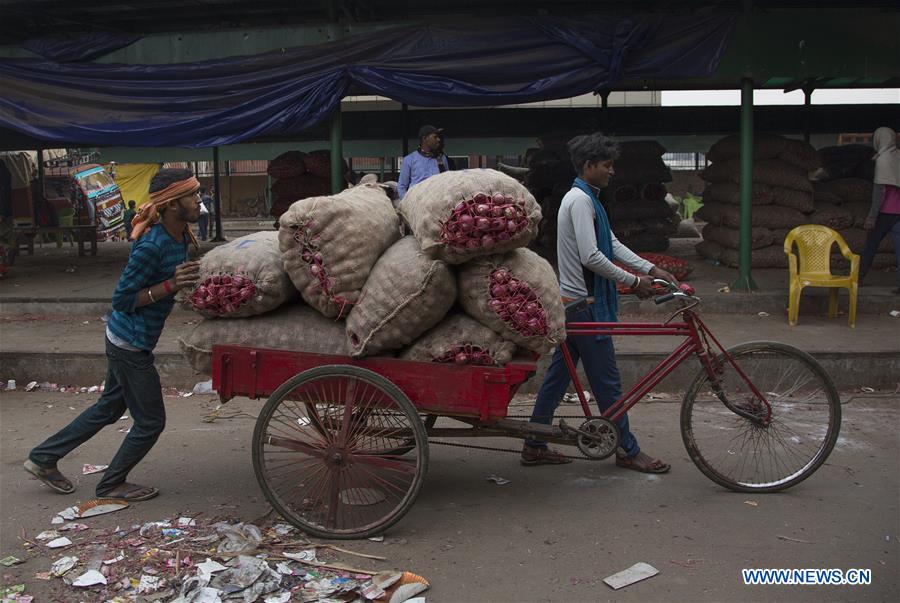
x,y
51,478
627,463
130,493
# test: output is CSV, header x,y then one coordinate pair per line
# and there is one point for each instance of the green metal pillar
x,y
745,280
217,199
337,151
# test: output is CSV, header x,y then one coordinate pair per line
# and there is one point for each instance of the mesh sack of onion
x,y
294,327
460,339
459,215
516,295
330,244
406,294
242,278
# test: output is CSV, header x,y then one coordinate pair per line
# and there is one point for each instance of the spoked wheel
x,y
321,452
749,455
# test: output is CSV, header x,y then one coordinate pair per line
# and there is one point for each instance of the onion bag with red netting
x,y
516,295
330,244
459,215
241,278
460,339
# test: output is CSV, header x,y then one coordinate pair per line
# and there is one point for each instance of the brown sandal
x,y
51,477
130,493
654,466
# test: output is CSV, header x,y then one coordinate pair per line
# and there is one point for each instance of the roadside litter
x,y
195,559
635,573
500,481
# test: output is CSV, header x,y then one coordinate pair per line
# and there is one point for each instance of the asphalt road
x,y
551,534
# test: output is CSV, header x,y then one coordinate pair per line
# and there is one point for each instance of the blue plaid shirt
x,y
153,259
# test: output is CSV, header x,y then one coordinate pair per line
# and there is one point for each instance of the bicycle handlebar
x,y
682,290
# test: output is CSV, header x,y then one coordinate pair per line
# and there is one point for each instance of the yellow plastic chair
x,y
813,268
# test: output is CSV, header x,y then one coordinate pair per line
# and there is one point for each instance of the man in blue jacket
x,y
157,268
424,162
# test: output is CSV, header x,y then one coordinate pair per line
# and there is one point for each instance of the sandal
x,y
51,477
653,466
130,493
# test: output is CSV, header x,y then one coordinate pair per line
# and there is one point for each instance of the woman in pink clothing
x,y
884,216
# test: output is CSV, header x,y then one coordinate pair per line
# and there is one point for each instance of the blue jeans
x,y
132,383
884,224
599,357
203,226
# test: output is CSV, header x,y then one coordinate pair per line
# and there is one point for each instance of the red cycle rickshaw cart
x,y
340,448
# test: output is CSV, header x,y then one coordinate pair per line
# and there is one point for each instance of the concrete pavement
x,y
551,534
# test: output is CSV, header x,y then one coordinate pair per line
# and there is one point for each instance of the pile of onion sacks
x,y
467,354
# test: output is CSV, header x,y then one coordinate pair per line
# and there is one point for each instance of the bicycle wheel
x,y
319,452
743,455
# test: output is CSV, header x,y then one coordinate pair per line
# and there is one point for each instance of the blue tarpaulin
x,y
225,101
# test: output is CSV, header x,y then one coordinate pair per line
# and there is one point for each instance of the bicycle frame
x,y
697,342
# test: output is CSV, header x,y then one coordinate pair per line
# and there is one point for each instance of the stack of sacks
x,y
843,192
550,176
782,198
299,175
636,197
461,289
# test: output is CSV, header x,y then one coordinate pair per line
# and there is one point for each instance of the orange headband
x,y
148,214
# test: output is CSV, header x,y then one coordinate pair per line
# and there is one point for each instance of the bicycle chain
x,y
513,450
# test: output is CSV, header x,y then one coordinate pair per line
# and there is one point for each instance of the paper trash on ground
x,y
635,573
500,481
100,506
88,469
63,565
90,578
59,543
209,567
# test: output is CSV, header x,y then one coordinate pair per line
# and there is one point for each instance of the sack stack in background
x,y
782,198
634,200
636,197
345,255
298,175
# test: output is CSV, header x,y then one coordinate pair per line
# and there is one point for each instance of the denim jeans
x,y
132,383
599,358
884,224
203,226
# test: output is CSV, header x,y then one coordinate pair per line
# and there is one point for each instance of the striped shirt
x,y
153,259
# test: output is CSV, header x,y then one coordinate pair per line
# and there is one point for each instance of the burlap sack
x,y
653,191
638,210
773,172
730,192
789,197
429,205
823,192
454,333
859,211
731,237
301,187
880,261
625,193
526,268
852,190
406,294
800,153
832,216
628,228
329,244
641,148
664,226
767,257
769,216
254,257
647,241
856,239
288,165
297,327
765,146
709,249
640,170
848,161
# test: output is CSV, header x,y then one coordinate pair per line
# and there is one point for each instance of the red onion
x,y
483,209
481,198
498,224
482,223
473,244
499,198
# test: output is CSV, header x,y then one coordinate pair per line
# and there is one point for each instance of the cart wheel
x,y
321,452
